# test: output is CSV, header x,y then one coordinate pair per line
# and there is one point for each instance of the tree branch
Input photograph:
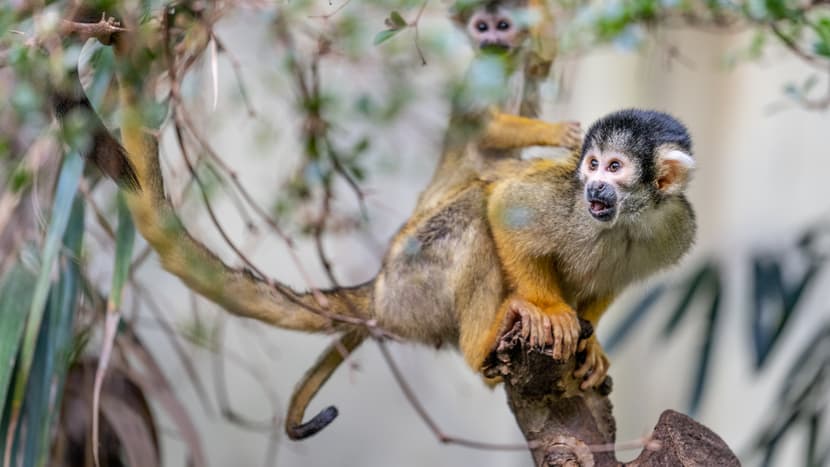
x,y
566,426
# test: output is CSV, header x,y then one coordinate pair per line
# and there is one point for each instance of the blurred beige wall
x,y
759,181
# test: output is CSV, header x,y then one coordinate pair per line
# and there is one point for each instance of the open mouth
x,y
601,210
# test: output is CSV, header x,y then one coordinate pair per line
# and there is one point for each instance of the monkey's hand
x,y
554,326
569,135
596,364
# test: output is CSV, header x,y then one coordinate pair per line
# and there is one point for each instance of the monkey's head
x,y
632,162
499,26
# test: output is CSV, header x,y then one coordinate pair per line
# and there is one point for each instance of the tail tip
x,y
313,426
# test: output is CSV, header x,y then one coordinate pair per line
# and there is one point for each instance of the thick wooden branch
x,y
566,426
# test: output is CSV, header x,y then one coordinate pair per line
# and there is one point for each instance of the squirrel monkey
x,y
570,244
570,235
482,130
493,114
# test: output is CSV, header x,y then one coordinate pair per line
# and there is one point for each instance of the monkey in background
x,y
494,113
489,121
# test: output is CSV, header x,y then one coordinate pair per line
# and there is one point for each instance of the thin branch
x,y
102,30
794,48
220,385
427,419
179,350
237,70
326,16
414,24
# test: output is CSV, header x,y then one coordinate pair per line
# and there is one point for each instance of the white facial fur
x,y
494,28
612,167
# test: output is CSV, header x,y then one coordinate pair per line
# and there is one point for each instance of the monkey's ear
x,y
674,170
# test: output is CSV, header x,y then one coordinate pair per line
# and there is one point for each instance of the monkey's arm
x,y
518,204
535,300
312,381
505,131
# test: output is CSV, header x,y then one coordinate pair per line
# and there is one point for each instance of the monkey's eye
x,y
614,166
593,164
481,26
503,25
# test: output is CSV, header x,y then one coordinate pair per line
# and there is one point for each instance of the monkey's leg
x,y
505,131
312,381
595,367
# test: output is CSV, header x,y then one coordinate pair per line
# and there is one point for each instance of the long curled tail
x,y
313,380
237,290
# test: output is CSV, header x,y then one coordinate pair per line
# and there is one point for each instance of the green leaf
x,y
36,404
822,29
68,181
124,240
63,303
385,35
15,301
20,179
397,19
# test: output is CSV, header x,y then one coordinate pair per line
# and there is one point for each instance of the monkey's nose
x,y
600,186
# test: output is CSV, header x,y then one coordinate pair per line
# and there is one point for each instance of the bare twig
x,y
237,70
414,24
427,419
172,334
102,30
326,16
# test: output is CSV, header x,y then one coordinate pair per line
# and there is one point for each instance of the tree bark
x,y
566,426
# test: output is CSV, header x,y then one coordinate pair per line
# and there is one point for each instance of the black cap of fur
x,y
638,133
461,10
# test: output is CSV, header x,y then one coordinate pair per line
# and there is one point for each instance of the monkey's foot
x,y
555,326
570,135
596,364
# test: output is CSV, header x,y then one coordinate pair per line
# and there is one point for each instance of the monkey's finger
x,y
547,331
533,328
569,337
539,329
575,336
557,341
526,327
